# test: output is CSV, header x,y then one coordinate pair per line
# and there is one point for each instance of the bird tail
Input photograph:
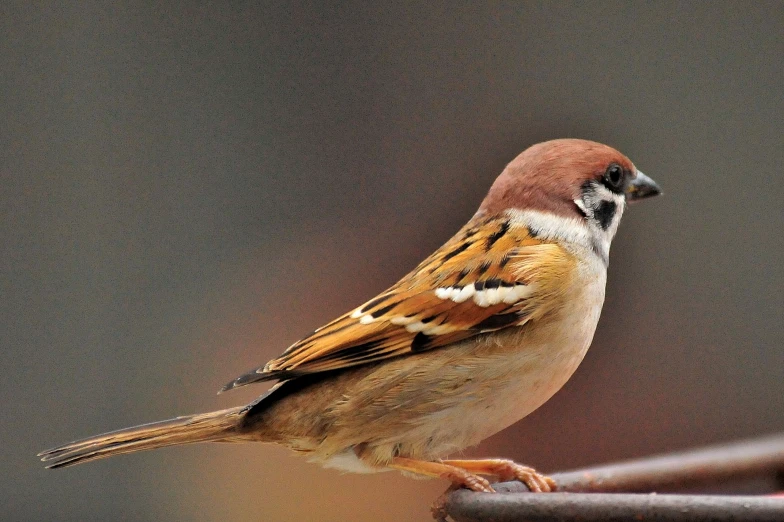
x,y
223,425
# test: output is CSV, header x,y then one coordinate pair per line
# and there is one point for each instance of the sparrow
x,y
476,337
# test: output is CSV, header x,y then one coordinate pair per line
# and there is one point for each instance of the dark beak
x,y
642,187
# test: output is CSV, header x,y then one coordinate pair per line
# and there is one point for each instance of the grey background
x,y
187,189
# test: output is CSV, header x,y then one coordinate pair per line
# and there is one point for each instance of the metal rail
x,y
466,506
593,493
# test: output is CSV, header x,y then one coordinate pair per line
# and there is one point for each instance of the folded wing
x,y
491,275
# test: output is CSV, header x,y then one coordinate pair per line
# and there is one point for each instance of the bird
x,y
476,337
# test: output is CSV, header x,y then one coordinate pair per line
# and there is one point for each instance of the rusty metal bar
x,y
466,506
746,459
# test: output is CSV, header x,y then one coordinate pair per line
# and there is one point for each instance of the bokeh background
x,y
187,188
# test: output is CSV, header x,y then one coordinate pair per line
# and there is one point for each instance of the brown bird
x,y
476,337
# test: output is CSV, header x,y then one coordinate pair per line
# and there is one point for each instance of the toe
x,y
480,484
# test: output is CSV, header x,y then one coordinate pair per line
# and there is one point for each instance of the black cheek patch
x,y
604,213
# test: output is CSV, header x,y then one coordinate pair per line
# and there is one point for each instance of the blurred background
x,y
187,188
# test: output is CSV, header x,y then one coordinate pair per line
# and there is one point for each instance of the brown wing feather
x,y
497,263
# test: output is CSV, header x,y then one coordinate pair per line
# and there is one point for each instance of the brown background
x,y
187,190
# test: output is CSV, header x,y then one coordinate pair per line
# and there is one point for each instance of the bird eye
x,y
613,177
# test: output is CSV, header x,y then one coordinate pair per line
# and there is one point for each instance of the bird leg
x,y
506,470
458,476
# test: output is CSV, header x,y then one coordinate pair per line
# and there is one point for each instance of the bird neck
x,y
575,233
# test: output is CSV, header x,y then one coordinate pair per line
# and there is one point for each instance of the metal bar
x,y
467,506
746,459
710,465
752,458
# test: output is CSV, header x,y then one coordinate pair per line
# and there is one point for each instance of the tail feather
x,y
213,426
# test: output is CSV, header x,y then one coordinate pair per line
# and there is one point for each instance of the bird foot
x,y
507,470
459,477
465,473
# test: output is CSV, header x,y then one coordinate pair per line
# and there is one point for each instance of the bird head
x,y
582,185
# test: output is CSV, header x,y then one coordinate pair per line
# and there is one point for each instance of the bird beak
x,y
642,187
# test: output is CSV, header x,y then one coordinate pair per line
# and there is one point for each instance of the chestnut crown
x,y
552,175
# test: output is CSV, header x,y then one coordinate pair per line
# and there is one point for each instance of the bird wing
x,y
492,274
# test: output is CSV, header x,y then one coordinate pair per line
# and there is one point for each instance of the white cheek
x,y
620,206
592,200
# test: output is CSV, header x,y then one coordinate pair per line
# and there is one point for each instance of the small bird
x,y
476,337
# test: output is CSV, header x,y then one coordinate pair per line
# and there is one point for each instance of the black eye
x,y
613,177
